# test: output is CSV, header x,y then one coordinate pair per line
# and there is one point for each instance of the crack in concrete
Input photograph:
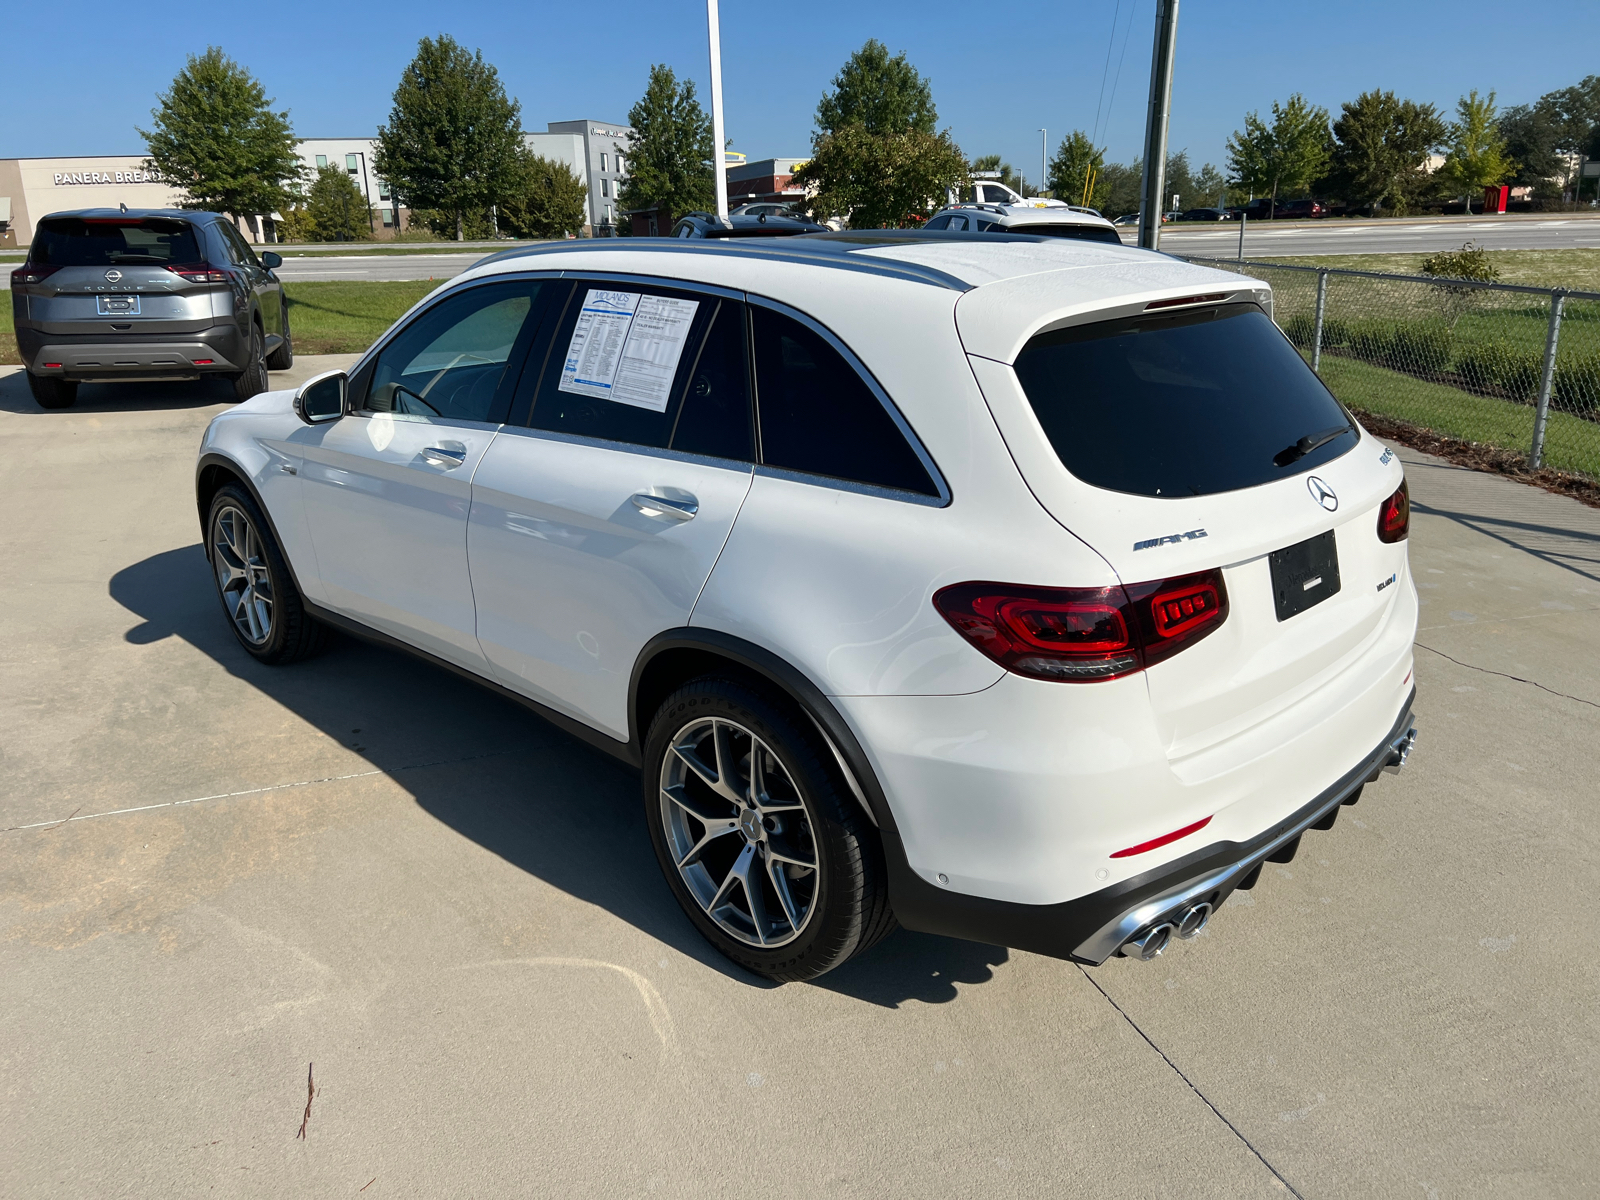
x,y
1505,675
1178,1071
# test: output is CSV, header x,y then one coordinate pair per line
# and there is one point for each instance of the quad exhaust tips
x,y
1153,941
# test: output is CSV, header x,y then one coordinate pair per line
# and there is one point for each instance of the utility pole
x,y
1044,153
719,166
1155,126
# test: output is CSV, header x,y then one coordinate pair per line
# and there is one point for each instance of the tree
x,y
1381,148
883,94
548,201
669,165
1123,185
453,135
1077,172
217,139
337,210
1477,152
1531,132
1008,173
879,182
1286,156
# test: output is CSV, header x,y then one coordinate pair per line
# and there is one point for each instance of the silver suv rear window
x,y
1182,404
109,242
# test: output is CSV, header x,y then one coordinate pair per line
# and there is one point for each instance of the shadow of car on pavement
x,y
572,820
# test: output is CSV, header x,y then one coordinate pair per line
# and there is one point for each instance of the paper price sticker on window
x,y
626,347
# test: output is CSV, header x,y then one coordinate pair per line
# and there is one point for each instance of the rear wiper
x,y
123,256
1307,444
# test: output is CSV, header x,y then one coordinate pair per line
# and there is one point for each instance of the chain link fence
x,y
1503,365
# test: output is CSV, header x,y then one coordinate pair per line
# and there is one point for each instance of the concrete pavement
x,y
451,910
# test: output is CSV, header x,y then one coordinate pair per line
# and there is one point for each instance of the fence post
x,y
1541,414
1322,307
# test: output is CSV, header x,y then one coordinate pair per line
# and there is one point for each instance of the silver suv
x,y
111,295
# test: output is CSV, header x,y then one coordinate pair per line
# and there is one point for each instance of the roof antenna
x,y
124,206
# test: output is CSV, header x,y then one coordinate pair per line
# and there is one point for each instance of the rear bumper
x,y
1093,927
92,358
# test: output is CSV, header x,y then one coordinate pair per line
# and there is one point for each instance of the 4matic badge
x,y
1172,539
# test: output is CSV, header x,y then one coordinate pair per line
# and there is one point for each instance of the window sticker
x,y
626,347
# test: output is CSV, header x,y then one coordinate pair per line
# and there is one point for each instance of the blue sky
x,y
80,84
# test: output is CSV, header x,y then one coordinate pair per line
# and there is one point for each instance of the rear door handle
x,y
666,506
449,457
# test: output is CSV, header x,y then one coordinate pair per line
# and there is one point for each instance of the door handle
x,y
666,506
448,457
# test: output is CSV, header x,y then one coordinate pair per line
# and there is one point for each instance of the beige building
x,y
31,188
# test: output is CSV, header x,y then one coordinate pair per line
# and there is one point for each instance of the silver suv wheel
x,y
739,833
241,565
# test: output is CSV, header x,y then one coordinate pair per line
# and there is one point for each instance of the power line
x,y
1105,72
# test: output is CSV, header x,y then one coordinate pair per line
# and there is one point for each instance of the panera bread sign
x,y
74,178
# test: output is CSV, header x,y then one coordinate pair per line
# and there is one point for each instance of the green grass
x,y
341,317
1571,443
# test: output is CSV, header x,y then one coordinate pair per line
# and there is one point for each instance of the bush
x,y
1577,383
1301,329
1469,262
1369,341
1335,333
1421,349
1501,367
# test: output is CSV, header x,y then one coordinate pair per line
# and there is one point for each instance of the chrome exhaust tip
x,y
1400,751
1148,944
1193,920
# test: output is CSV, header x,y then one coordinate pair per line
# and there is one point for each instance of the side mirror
x,y
271,260
321,398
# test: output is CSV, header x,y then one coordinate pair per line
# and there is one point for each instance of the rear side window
x,y
1183,405
75,242
817,415
663,369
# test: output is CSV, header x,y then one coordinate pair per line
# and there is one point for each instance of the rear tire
x,y
766,851
50,391
252,381
282,358
258,596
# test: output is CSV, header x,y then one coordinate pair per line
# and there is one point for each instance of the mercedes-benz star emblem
x,y
1322,494
113,275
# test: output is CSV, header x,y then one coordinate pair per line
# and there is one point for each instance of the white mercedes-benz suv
x,y
1011,588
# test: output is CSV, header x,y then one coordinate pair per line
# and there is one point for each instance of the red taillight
x,y
200,272
1163,840
204,362
1081,635
31,273
1394,516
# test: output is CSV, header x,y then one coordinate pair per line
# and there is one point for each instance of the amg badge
x,y
1172,539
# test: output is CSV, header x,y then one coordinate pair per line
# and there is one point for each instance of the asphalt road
x,y
1265,239
214,874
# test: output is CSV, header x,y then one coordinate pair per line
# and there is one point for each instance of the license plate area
x,y
1304,575
117,306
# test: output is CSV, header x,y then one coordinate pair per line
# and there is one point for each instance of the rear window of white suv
x,y
1181,404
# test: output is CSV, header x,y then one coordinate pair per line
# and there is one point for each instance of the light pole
x,y
367,191
719,166
1044,153
1155,128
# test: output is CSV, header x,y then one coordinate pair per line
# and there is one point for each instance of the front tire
x,y
50,391
252,381
258,595
767,853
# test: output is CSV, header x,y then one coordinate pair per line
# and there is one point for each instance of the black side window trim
x,y
942,500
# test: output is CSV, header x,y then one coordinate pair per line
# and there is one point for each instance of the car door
x,y
258,282
388,487
595,524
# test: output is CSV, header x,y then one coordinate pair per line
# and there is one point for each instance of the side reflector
x,y
204,362
49,365
1164,840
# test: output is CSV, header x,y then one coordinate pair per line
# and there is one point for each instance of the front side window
x,y
818,416
938,223
1190,404
450,361
639,367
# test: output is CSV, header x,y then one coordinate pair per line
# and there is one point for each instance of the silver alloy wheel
x,y
240,562
739,833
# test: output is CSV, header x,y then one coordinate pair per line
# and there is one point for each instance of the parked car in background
x,y
764,208
1300,210
113,295
841,543
706,225
1204,214
1127,219
1063,221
